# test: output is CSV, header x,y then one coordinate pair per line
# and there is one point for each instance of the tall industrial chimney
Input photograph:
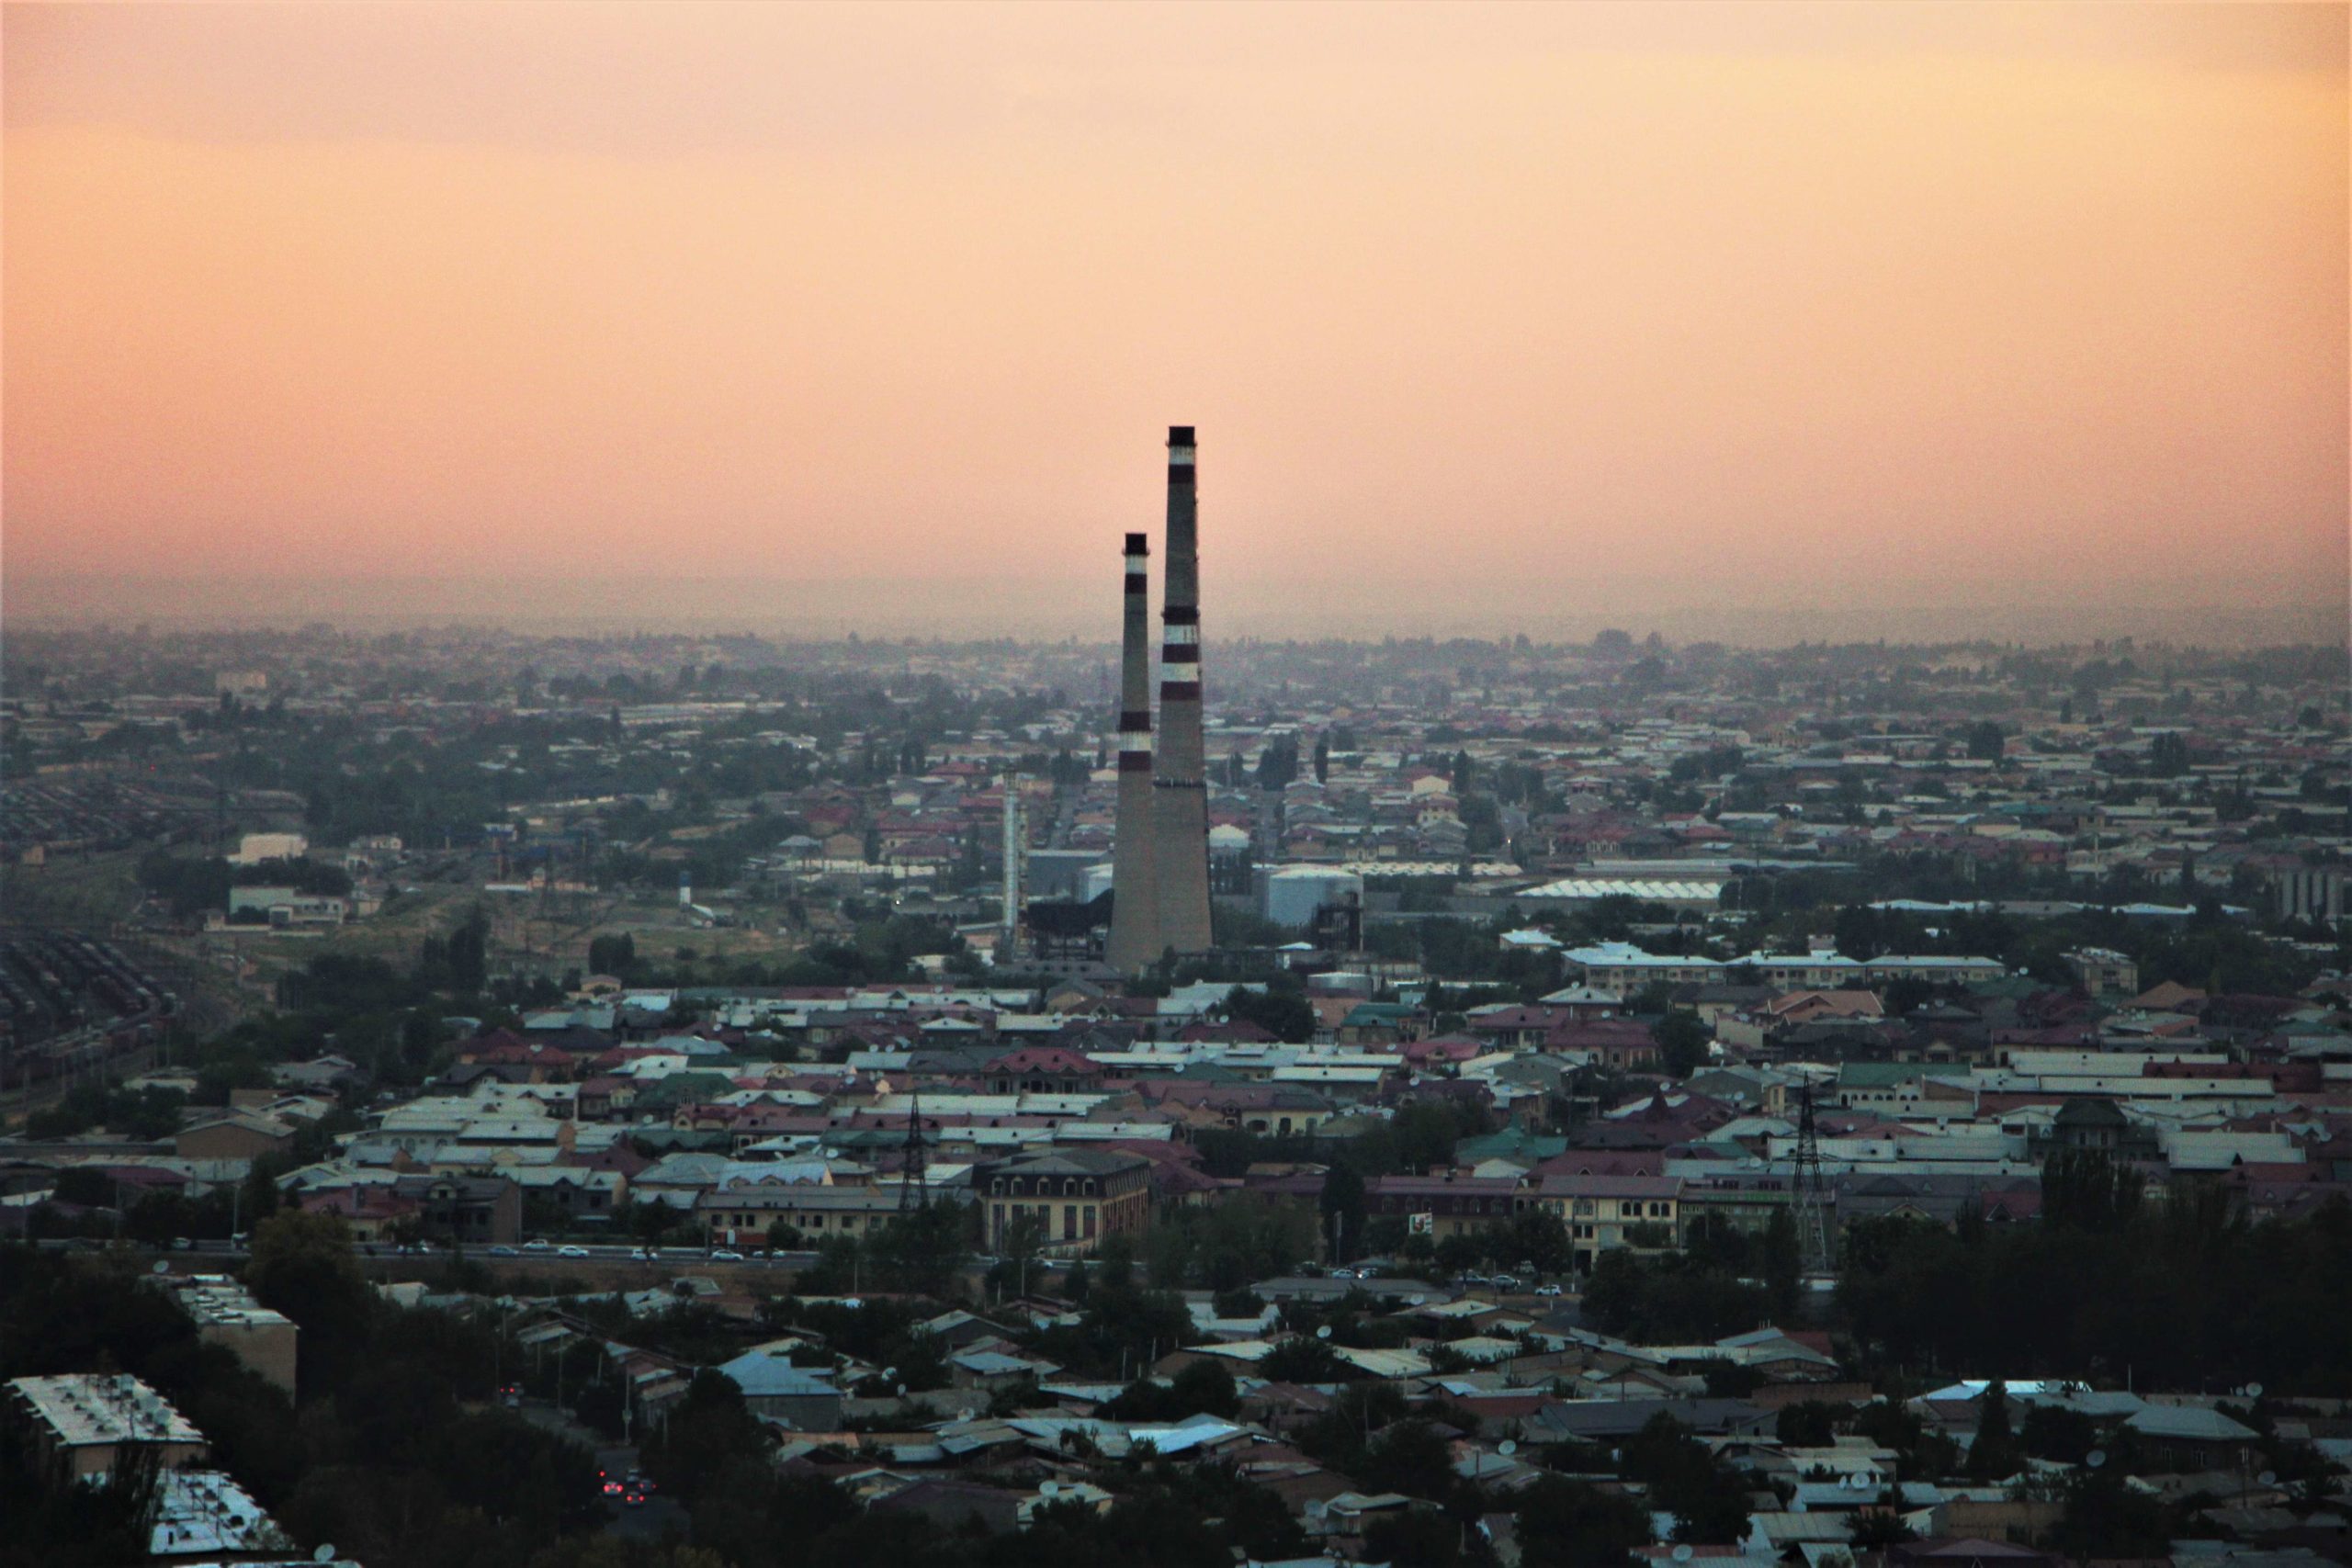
x,y
1014,841
1180,793
1135,903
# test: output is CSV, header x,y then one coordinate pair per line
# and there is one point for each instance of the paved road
x,y
658,1515
550,1255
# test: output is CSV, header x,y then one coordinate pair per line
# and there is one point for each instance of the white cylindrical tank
x,y
1296,892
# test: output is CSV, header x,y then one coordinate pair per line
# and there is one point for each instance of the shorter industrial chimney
x,y
1135,891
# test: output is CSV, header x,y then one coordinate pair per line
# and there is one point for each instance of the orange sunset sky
x,y
1503,317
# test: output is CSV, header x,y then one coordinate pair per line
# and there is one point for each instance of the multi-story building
x,y
1442,1205
225,1313
1604,1213
1078,1195
2104,972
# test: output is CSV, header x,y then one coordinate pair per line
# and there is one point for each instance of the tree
x,y
1205,1388
1985,741
1413,1538
613,953
1877,1528
1302,1360
301,1265
1808,1424
1284,1014
2053,1432
1323,758
1018,1248
1570,1524
1538,1239
1682,1036
1994,1455
709,1424
1709,1503
1343,1200
1409,1457
2104,1517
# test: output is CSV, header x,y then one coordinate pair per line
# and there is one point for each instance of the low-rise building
x,y
81,1425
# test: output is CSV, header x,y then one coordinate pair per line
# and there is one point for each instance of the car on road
x,y
503,1250
1547,1289
1506,1282
571,1252
1343,1274
633,1499
538,1244
727,1255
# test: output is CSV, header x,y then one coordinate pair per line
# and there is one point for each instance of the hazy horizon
x,y
1053,612
2016,321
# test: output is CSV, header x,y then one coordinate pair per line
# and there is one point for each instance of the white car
x,y
540,1246
571,1252
727,1255
1547,1289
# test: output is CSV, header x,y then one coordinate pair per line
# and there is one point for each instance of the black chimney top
x,y
1139,544
1179,435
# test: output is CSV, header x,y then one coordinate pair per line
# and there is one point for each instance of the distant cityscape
x,y
1619,1084
945,784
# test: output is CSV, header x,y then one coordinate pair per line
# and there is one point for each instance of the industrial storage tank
x,y
1293,893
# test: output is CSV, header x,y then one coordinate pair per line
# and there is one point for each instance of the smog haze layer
x,y
1753,322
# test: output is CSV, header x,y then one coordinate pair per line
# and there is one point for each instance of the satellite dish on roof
x,y
1049,1488
963,1414
2096,1458
1509,1448
325,1553
1415,1300
2254,1391
1324,1332
2269,1478
1797,1507
161,1267
1683,1553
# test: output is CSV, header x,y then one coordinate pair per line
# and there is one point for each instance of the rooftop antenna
x,y
1810,1197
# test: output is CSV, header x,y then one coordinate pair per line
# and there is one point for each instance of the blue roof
x,y
765,1376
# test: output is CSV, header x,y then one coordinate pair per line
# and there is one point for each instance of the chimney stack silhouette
x,y
1180,791
1135,908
